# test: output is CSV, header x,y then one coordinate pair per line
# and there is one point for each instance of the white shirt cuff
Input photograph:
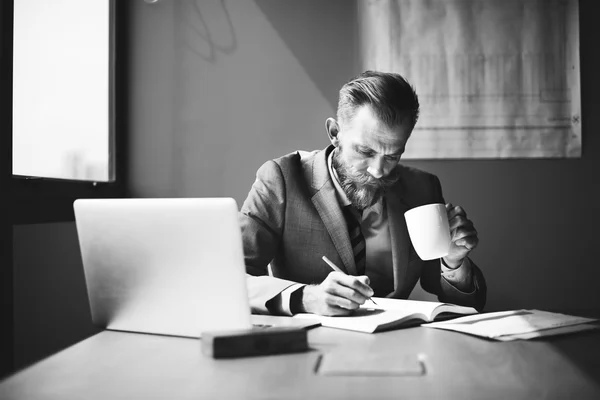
x,y
286,297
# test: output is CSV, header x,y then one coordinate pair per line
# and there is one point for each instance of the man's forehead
x,y
368,129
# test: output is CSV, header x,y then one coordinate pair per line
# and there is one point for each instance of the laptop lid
x,y
163,266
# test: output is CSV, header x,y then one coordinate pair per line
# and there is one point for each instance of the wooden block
x,y
254,342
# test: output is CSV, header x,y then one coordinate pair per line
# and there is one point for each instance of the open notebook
x,y
392,314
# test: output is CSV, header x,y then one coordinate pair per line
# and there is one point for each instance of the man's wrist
x,y
452,264
305,301
461,277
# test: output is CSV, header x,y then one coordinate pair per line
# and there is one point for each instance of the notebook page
x,y
363,320
404,306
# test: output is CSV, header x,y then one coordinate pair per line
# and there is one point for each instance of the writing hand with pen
x,y
338,294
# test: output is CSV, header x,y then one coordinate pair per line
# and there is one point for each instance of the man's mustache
x,y
380,183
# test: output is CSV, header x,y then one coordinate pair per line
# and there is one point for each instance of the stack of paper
x,y
517,324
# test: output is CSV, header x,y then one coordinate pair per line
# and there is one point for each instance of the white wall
x,y
218,88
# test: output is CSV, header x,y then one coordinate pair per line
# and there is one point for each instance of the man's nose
x,y
376,168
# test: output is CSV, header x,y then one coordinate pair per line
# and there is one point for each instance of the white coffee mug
x,y
428,230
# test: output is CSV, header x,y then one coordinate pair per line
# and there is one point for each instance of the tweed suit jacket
x,y
291,218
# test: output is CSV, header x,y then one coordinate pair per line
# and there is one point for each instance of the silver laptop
x,y
164,266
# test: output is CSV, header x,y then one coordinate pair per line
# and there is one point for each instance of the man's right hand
x,y
338,294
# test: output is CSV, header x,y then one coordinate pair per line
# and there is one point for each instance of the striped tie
x,y
357,240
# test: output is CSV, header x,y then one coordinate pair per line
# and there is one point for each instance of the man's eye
x,y
365,153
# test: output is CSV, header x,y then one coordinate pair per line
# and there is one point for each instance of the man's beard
x,y
361,189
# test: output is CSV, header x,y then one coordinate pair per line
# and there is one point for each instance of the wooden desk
x,y
114,365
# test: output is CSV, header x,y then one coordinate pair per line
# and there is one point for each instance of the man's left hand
x,y
463,236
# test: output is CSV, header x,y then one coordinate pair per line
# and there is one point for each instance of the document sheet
x,y
516,324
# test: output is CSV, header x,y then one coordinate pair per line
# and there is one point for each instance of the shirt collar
x,y
341,195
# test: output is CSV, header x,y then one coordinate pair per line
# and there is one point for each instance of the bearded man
x,y
347,202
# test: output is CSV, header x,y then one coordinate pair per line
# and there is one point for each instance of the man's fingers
x,y
454,211
341,302
318,301
365,280
347,293
463,232
465,236
460,222
356,283
352,288
335,310
470,242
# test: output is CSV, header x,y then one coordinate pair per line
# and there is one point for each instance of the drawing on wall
x,y
495,79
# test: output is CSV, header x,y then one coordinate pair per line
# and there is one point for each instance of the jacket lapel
x,y
396,207
326,203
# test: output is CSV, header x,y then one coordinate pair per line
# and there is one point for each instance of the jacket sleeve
x,y
433,282
262,219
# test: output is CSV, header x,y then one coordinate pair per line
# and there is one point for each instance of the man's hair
x,y
391,97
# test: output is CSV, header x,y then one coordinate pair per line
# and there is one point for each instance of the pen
x,y
336,268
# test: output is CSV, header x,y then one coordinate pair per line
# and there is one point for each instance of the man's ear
x,y
333,129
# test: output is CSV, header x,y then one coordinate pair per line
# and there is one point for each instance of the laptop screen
x,y
164,266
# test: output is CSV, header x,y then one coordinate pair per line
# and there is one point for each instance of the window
x,y
61,89
62,62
